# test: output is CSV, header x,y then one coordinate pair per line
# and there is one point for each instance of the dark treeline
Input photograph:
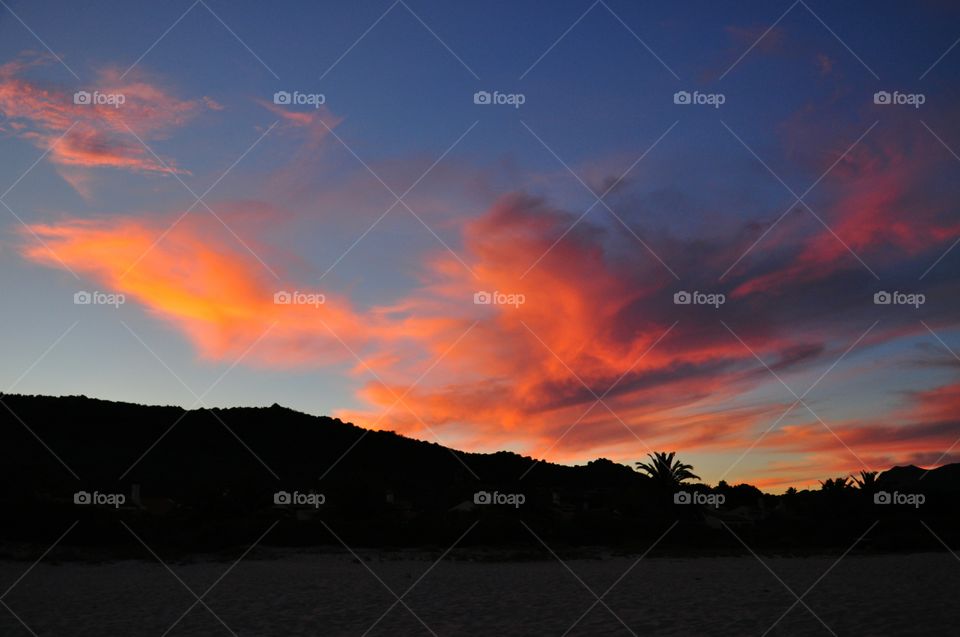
x,y
205,480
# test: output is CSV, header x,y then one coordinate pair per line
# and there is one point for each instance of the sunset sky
x,y
594,202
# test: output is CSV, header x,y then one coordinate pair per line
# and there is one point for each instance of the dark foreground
x,y
335,594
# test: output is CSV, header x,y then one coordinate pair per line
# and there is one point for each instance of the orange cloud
x,y
201,281
88,135
588,325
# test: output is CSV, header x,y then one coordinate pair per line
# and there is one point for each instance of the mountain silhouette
x,y
208,478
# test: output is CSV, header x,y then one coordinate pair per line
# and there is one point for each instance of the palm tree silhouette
x,y
666,470
835,485
867,481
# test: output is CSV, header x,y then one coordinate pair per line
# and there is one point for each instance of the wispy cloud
x,y
99,133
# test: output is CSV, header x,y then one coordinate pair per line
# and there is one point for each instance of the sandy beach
x,y
324,594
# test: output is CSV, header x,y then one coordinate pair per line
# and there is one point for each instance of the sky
x,y
589,230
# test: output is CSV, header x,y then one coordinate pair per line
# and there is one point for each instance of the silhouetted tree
x,y
867,481
666,470
835,485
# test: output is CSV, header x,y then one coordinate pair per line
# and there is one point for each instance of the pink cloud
x,y
91,136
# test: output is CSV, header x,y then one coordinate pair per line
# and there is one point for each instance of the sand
x,y
333,594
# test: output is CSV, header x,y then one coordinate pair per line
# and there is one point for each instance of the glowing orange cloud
x,y
204,283
528,372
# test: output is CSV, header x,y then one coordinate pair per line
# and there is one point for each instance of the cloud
x,y
591,325
197,278
86,136
888,206
923,430
310,129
